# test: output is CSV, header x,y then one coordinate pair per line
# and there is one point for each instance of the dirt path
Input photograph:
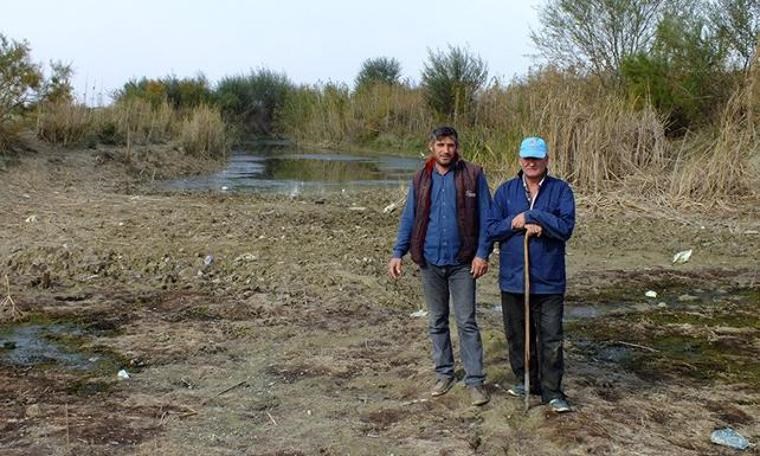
x,y
259,324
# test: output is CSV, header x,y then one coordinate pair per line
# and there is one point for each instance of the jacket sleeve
x,y
556,226
485,245
404,235
499,220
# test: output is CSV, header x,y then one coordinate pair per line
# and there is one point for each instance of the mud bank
x,y
263,324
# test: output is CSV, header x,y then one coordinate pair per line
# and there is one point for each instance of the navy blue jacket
x,y
554,210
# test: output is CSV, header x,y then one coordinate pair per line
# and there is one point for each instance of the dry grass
x,y
203,133
133,122
64,123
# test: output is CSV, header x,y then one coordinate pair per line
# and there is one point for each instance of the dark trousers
x,y
547,368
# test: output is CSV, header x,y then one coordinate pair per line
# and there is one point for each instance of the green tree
x,y
682,73
20,78
252,101
596,35
451,81
58,88
187,93
737,23
383,70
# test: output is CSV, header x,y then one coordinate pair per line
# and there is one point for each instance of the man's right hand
x,y
394,268
518,223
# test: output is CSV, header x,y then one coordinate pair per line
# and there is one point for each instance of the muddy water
x,y
35,344
286,169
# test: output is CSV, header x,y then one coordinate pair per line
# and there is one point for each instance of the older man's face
x,y
534,167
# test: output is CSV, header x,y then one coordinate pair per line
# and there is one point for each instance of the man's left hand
x,y
479,267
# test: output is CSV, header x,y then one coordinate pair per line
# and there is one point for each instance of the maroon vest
x,y
466,182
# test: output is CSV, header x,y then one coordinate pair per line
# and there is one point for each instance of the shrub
x,y
451,81
379,70
251,101
19,79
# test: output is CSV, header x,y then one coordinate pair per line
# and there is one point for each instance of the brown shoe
x,y
479,395
442,386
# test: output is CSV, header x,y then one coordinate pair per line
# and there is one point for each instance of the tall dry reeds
x,y
64,123
200,130
203,133
723,164
137,121
595,136
382,115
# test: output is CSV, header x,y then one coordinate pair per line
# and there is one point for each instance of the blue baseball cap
x,y
533,147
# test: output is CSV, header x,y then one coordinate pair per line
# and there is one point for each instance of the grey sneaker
x,y
479,395
518,390
442,386
559,405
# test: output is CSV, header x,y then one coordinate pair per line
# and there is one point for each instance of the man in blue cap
x,y
542,207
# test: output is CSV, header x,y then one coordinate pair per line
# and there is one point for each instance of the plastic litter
x,y
389,208
651,294
682,256
730,438
208,260
123,375
418,314
31,219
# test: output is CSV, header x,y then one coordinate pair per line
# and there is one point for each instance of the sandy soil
x,y
260,324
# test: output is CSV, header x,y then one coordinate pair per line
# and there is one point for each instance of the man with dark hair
x,y
542,207
443,227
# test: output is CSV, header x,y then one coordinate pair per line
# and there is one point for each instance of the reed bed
x,y
132,122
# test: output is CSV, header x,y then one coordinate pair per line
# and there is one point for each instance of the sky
x,y
110,42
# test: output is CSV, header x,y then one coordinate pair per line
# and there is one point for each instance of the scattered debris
x,y
651,294
662,304
682,256
31,219
394,205
687,298
730,438
630,344
246,258
208,261
123,375
16,314
357,208
419,314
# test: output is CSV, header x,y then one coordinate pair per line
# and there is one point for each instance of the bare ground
x,y
292,341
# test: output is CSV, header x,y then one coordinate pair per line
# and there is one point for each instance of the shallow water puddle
x,y
39,344
285,169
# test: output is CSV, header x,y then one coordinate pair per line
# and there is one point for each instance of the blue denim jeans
x,y
439,283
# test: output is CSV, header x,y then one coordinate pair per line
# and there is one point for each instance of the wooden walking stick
x,y
526,381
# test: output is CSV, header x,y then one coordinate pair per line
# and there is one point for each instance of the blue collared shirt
x,y
442,240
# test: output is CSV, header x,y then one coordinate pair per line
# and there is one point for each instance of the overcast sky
x,y
109,42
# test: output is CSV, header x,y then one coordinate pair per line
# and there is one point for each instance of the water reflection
x,y
285,169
